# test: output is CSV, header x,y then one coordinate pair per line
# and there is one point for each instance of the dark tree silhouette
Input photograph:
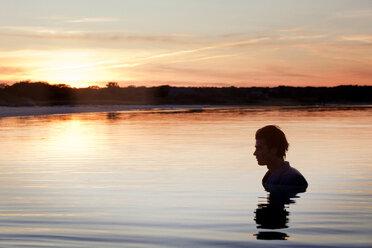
x,y
42,93
111,85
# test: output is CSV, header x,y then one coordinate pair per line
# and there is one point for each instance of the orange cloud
x,y
5,70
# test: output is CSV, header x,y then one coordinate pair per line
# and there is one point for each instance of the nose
x,y
254,154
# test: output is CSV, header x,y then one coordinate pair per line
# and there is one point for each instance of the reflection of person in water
x,y
271,146
273,214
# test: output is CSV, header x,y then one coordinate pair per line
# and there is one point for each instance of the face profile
x,y
263,153
270,150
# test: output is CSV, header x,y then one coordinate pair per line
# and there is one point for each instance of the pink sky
x,y
218,43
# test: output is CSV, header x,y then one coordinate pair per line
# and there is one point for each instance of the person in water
x,y
271,147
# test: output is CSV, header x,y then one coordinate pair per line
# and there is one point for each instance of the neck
x,y
275,164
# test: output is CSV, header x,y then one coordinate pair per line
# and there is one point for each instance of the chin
x,y
261,163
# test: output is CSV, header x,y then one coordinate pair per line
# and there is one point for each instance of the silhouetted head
x,y
271,143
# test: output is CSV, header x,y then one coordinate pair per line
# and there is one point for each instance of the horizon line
x,y
183,85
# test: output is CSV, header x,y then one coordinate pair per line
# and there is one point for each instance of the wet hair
x,y
273,138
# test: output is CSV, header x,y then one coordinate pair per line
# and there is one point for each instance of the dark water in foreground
x,y
183,179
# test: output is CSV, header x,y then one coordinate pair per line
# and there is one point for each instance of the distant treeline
x,y
41,93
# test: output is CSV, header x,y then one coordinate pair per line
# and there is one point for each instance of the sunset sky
x,y
187,42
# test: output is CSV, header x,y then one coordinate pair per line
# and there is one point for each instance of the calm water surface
x,y
183,179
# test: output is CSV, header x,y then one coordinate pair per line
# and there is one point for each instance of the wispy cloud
x,y
238,43
10,70
302,37
92,20
178,53
168,38
353,14
104,65
204,58
110,36
75,67
68,19
193,73
359,38
209,47
113,66
286,72
364,72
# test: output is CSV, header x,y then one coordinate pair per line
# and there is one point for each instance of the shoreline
x,y
6,111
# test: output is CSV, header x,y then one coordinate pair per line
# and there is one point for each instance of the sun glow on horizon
x,y
68,68
74,68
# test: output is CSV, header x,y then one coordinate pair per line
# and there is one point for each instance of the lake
x,y
184,177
